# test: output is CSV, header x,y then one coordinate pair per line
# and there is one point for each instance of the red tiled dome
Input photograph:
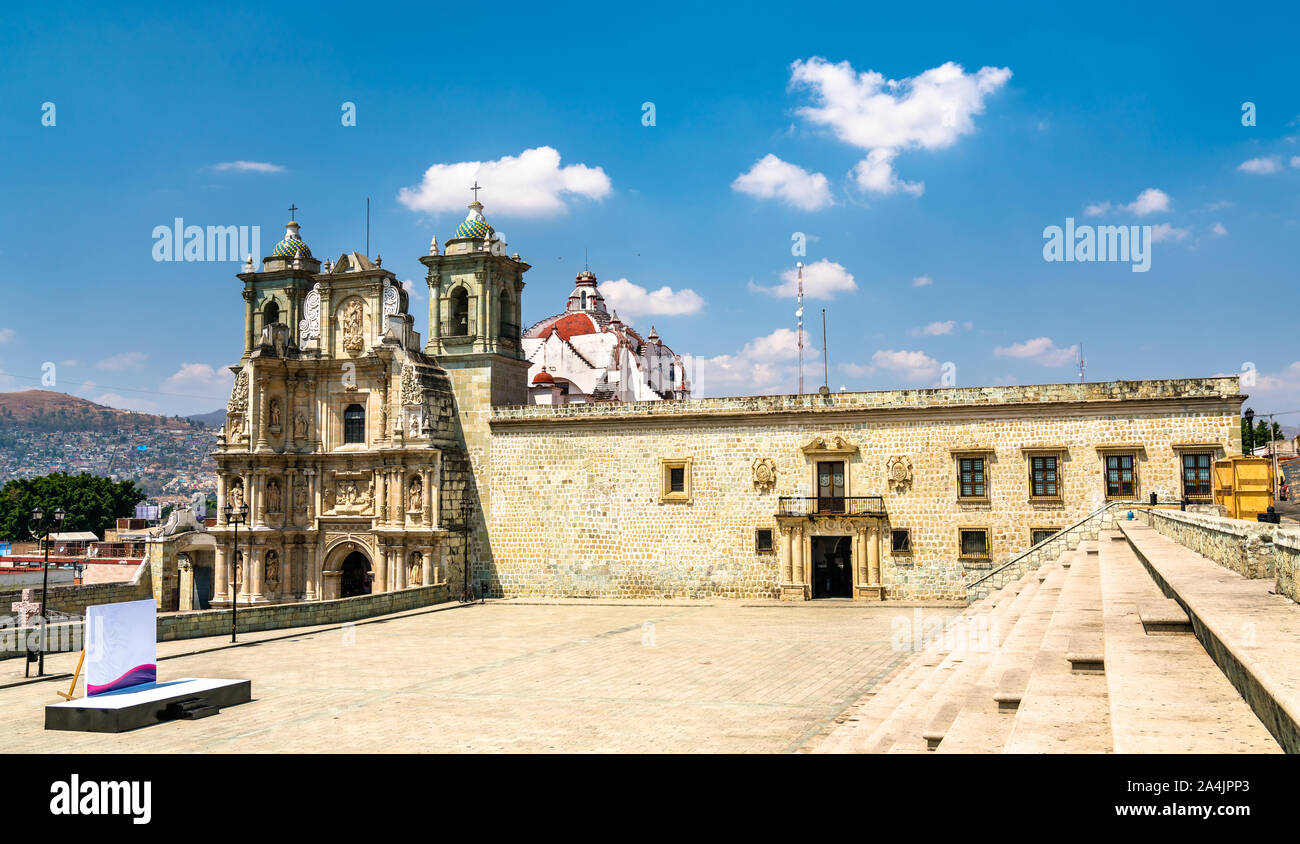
x,y
543,377
567,326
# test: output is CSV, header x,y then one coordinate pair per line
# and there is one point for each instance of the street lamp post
x,y
1250,432
235,517
38,522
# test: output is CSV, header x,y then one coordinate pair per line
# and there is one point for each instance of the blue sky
x,y
923,202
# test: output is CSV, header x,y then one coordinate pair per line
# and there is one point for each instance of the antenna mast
x,y
1083,366
799,315
826,361
367,227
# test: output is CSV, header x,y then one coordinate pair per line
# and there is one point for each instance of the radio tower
x,y
799,315
1083,366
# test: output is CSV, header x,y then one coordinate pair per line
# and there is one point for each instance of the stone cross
x,y
27,609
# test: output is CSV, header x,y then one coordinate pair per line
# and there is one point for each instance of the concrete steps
x,y
1166,694
1251,634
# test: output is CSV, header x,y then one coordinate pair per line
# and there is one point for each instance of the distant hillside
x,y
216,418
46,410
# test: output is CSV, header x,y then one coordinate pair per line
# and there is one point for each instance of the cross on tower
x,y
476,189
292,209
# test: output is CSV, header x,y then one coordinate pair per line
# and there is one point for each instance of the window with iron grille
x,y
1037,535
971,475
1121,482
900,541
1043,478
975,543
763,540
1196,476
354,424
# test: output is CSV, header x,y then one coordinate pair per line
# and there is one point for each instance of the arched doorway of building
x,y
832,567
354,575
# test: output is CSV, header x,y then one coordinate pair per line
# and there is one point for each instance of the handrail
x,y
1043,543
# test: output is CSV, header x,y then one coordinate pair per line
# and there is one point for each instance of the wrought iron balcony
x,y
845,505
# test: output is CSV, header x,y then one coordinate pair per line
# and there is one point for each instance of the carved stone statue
x,y
415,570
300,497
236,495
275,412
273,496
353,339
273,570
416,496
300,425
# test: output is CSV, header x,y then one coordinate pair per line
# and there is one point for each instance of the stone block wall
x,y
575,489
71,599
1255,550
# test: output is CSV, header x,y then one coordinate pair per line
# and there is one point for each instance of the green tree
x,y
90,502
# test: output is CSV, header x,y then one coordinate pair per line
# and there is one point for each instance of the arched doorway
x,y
354,575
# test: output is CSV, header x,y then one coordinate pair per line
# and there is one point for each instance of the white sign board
x,y
121,646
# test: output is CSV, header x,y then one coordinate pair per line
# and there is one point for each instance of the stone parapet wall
x,y
71,599
1255,550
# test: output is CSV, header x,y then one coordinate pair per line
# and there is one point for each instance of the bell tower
x,y
475,313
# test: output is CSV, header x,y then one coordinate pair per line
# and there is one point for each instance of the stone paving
x,y
514,676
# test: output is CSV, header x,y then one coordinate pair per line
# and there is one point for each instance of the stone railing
x,y
1256,550
1051,548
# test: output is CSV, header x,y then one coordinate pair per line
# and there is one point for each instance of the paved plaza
x,y
511,676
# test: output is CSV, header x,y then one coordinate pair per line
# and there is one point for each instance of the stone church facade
x,y
373,460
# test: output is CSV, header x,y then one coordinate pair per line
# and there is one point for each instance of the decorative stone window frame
x,y
1214,450
988,455
1139,453
893,547
1061,453
338,406
830,449
1033,529
771,540
984,559
666,493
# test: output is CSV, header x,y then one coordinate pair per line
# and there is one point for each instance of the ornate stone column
x,y
381,497
381,567
248,320
873,556
399,569
426,516
259,514
258,566
286,569
798,568
427,576
220,574
313,408
311,496
787,573
262,444
221,499
310,564
244,575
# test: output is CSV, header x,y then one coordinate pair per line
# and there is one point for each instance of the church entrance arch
x,y
355,576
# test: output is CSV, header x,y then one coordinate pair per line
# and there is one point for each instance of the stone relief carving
x,y
275,413
273,496
764,473
898,471
309,326
829,445
353,339
416,495
300,426
239,394
300,497
236,494
412,390
392,302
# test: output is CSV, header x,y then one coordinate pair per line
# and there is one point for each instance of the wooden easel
x,y
72,690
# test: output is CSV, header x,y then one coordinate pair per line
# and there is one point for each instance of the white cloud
x,y
1164,231
1261,166
633,300
1295,161
124,403
199,377
935,329
6,334
821,280
922,281
1040,350
531,184
247,167
875,174
771,177
766,365
885,116
1218,230
125,360
1149,201
781,344
910,366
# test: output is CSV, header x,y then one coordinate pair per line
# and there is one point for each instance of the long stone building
x,y
375,461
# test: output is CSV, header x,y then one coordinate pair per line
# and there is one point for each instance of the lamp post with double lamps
x,y
466,517
38,523
236,516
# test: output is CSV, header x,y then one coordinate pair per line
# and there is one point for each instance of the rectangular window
x,y
1037,535
763,540
830,487
1120,478
1043,479
975,543
970,472
1196,476
901,541
675,480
